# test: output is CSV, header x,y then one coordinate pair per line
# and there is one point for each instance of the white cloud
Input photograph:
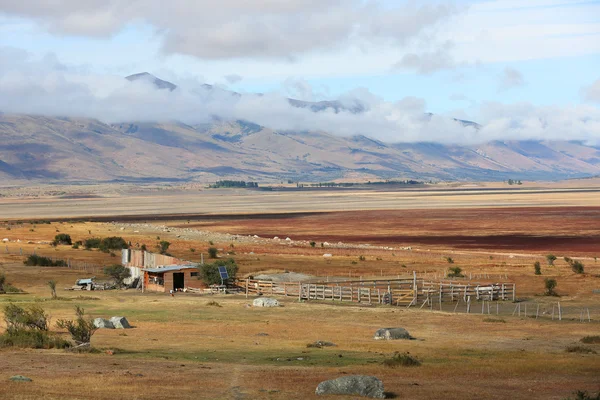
x,y
34,86
428,62
239,28
233,78
592,93
510,78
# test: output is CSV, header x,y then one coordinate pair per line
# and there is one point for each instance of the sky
x,y
524,70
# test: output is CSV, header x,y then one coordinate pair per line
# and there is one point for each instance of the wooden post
x,y
552,312
588,313
456,306
497,308
537,312
299,291
559,312
482,306
468,304
247,285
369,289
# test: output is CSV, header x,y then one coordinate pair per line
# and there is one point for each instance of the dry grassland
x,y
183,348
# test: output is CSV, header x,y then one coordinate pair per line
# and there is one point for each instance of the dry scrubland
x,y
183,348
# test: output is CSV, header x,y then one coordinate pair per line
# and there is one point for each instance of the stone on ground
x,y
321,343
265,302
391,334
20,378
354,385
103,323
120,322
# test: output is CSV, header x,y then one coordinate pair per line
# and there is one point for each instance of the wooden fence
x,y
401,292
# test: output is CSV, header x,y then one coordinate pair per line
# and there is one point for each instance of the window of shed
x,y
194,274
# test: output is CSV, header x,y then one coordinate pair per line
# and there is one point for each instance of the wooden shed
x,y
171,277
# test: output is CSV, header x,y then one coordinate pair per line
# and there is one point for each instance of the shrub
x,y
62,238
538,268
2,281
550,258
361,258
33,340
118,272
92,243
143,247
497,320
209,273
212,252
213,304
52,286
163,246
192,250
449,260
313,244
75,246
550,285
591,339
583,395
20,319
81,329
401,360
577,267
455,272
579,349
35,260
113,243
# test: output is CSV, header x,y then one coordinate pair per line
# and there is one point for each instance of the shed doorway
x,y
178,280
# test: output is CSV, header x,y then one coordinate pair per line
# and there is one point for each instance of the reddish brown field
x,y
557,229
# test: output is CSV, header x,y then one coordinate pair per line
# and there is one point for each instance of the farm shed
x,y
171,277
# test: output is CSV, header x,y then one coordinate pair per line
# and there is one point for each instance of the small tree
x,y
52,286
455,272
577,266
163,246
62,238
118,272
209,273
538,268
550,285
550,258
81,329
2,281
212,252
449,260
313,244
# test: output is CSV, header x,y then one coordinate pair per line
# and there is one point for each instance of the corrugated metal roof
x,y
84,281
167,268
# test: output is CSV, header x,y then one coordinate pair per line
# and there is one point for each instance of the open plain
x,y
184,347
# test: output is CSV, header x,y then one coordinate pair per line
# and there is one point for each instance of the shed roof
x,y
168,268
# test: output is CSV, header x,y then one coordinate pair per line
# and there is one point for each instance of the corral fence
x,y
73,264
400,292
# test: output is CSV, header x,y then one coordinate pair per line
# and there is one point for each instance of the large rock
x,y
103,323
265,302
356,385
120,322
391,334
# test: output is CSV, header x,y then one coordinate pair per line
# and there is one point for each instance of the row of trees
x,y
233,184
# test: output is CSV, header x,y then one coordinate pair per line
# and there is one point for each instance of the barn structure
x,y
171,277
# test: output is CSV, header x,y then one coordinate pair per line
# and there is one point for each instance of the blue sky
x,y
452,57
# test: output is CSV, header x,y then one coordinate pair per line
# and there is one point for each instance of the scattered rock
x,y
391,334
20,378
103,323
327,255
120,322
357,385
265,302
321,343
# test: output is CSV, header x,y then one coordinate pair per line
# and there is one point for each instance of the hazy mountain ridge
x,y
68,149
63,149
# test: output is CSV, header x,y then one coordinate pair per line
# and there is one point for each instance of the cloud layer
x,y
239,28
47,87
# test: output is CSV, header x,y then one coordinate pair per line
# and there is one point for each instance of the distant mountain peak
x,y
159,83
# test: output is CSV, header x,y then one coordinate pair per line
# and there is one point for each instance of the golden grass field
x,y
183,348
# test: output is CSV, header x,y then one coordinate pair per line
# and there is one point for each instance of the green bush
x,y
92,243
313,244
118,272
450,260
455,272
583,395
550,258
40,261
580,349
163,246
577,267
550,285
538,268
209,273
62,238
81,329
591,339
33,340
212,252
28,328
401,360
496,320
106,244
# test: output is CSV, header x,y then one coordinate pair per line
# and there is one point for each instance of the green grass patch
x,y
401,360
580,349
595,339
497,320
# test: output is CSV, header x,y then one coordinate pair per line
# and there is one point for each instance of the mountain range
x,y
58,149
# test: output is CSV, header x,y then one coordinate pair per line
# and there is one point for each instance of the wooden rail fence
x,y
401,292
